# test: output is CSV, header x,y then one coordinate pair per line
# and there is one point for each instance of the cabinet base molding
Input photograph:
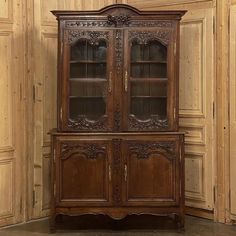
x,y
207,214
119,215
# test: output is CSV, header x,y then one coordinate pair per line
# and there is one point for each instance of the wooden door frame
x,y
222,161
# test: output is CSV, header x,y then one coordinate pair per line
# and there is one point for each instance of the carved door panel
x,y
83,174
88,80
149,80
152,171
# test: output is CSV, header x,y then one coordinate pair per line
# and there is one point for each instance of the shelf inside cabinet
x,y
150,97
93,80
147,62
143,80
86,97
87,61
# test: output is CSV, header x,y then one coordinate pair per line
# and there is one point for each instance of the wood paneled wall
x,y
28,42
11,112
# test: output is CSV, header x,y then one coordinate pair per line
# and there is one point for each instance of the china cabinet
x,y
117,150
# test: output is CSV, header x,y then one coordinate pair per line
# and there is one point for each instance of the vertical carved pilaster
x,y
116,166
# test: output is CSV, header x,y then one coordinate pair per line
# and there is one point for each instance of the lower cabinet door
x,y
83,172
152,171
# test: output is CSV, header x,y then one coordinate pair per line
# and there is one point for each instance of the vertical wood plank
x,y
222,99
232,84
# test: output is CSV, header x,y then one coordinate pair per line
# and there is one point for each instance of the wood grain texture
x,y
232,85
170,4
196,105
222,112
12,163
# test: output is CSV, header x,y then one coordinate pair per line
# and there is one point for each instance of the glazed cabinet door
x,y
152,171
87,80
83,172
149,80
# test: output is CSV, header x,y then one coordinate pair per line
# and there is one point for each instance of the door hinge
x,y
34,198
21,206
109,173
20,92
213,110
125,173
34,93
214,194
175,48
214,24
61,114
54,189
54,155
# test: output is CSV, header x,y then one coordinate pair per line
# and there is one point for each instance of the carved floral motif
x,y
93,37
116,167
130,23
153,123
90,151
81,123
144,150
143,37
118,20
118,51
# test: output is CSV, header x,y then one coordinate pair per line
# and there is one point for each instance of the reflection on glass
x,y
88,80
148,80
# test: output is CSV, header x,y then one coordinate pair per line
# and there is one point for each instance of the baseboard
x,y
206,214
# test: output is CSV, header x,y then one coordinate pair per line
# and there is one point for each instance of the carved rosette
x,y
93,37
144,150
154,123
90,150
82,123
143,37
116,167
118,20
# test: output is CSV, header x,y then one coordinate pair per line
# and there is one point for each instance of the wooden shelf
x,y
151,62
97,80
87,61
143,80
141,97
86,97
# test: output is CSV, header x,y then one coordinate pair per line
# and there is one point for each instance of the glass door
x,y
146,83
90,83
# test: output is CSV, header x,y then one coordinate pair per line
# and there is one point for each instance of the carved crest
x,y
144,150
143,37
93,37
90,150
118,20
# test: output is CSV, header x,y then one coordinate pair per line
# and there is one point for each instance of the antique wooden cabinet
x,y
117,150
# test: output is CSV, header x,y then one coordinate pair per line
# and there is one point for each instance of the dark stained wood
x,y
117,150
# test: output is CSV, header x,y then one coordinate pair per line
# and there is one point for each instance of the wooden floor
x,y
194,227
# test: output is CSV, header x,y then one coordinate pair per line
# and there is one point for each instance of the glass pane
x,y
88,80
148,80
